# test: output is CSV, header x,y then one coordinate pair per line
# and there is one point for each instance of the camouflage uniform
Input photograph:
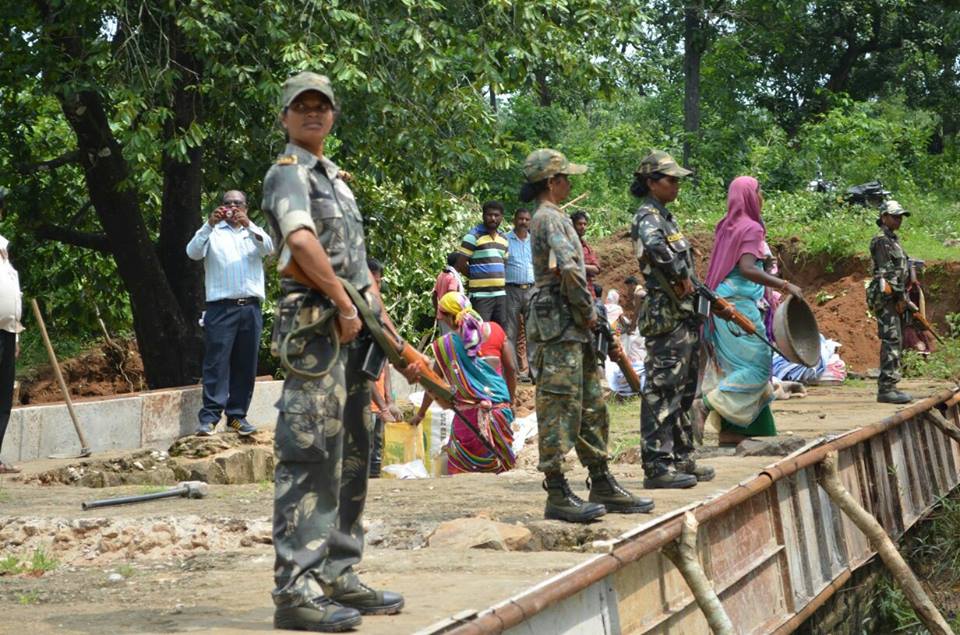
x,y
890,265
671,328
323,432
570,407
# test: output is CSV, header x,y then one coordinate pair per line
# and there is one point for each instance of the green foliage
x,y
10,565
28,598
41,561
944,363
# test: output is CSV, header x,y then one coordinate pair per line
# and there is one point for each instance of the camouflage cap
x,y
660,161
301,83
544,163
893,208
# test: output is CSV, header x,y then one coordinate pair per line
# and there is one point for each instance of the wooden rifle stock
x,y
624,363
400,353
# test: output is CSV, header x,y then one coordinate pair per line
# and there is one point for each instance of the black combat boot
x,y
319,615
669,479
605,489
892,395
563,504
370,601
689,466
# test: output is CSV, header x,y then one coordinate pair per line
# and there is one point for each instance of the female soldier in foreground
x,y
323,432
669,321
570,407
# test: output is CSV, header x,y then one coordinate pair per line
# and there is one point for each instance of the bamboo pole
x,y
683,554
884,546
84,446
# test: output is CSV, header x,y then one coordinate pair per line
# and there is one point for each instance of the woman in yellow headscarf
x,y
480,393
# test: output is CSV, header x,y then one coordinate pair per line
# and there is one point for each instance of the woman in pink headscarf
x,y
736,386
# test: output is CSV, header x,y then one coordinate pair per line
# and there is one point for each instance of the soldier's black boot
x,y
321,615
563,504
689,466
370,601
893,396
666,478
605,489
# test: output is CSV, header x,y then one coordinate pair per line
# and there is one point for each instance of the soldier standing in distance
x,y
323,431
570,407
887,297
670,324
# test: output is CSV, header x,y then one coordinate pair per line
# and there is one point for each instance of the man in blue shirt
x,y
519,281
232,249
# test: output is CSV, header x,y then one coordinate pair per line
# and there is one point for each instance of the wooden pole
x,y
84,446
883,545
945,426
574,201
683,554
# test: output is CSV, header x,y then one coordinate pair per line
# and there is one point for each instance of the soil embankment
x,y
835,289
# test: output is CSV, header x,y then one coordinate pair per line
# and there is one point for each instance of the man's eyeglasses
x,y
301,108
234,203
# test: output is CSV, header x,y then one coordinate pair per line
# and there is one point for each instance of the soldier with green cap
x,y
570,408
323,434
887,299
669,321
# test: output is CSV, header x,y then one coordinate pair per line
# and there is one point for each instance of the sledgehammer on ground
x,y
187,489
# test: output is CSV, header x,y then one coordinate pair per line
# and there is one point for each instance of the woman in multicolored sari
x,y
736,387
480,393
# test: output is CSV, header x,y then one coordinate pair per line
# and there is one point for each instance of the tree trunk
x,y
162,332
543,88
693,47
883,545
182,186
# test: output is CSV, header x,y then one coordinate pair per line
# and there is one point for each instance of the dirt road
x,y
205,565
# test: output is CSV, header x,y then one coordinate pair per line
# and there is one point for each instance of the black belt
x,y
236,301
519,286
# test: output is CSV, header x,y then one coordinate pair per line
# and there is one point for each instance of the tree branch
x,y
97,242
43,166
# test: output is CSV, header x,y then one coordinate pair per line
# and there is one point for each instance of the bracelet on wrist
x,y
356,314
783,284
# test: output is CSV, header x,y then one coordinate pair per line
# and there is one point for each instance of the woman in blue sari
x,y
736,386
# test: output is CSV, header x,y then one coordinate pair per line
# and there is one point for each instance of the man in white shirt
x,y
10,327
232,249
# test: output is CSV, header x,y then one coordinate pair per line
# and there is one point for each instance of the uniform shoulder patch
x,y
287,159
344,176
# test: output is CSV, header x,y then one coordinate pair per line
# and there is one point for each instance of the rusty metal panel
x,y
743,536
757,601
905,493
640,592
591,610
851,474
794,541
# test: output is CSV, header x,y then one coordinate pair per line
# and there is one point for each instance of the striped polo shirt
x,y
488,256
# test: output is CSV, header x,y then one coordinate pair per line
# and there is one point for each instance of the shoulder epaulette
x,y
287,159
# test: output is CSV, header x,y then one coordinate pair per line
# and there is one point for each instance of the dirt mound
x,y
834,289
108,369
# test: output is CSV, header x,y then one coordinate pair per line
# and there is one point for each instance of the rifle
x,y
606,342
400,353
724,310
906,306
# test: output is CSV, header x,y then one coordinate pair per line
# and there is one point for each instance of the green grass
x,y
942,364
10,565
126,570
28,598
33,354
41,561
151,489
